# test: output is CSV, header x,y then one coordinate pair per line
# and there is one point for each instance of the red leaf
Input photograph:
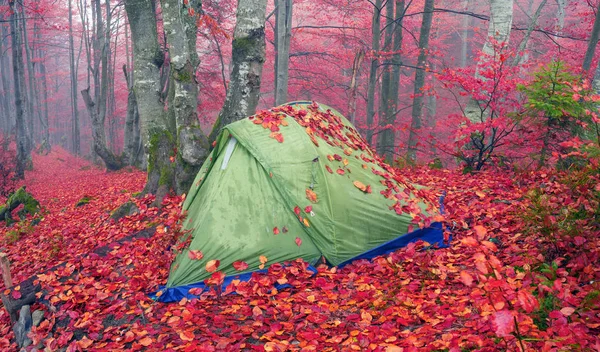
x,y
308,209
276,230
527,301
503,323
298,241
328,169
16,294
240,266
297,209
340,171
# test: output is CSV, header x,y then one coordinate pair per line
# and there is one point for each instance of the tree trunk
x,y
248,57
75,136
158,139
45,147
523,46
97,107
464,47
5,80
376,35
387,135
33,98
358,58
283,35
18,72
130,148
591,49
384,91
501,15
560,14
417,107
192,144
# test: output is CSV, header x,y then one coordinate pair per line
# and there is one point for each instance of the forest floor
x,y
503,284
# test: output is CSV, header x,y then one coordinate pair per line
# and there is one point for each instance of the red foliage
x,y
493,288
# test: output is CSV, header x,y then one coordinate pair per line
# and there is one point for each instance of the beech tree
x,y
283,36
247,57
418,100
23,144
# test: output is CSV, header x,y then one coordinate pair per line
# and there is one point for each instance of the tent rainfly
x,y
296,181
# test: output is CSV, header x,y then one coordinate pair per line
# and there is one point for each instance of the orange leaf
x,y
311,195
146,341
187,336
466,278
328,169
85,342
480,231
360,186
340,171
262,259
256,311
212,265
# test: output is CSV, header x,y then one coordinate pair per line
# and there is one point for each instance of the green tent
x,y
296,181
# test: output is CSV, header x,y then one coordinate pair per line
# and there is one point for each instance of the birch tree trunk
x,y
501,15
376,36
248,57
560,14
19,80
157,137
523,45
358,58
283,36
387,135
192,144
417,108
75,136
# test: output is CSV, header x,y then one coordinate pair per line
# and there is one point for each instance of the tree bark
x,y
384,91
97,107
45,146
248,57
32,97
591,49
417,107
75,136
501,15
283,35
358,58
5,80
387,135
375,37
192,144
560,14
466,21
523,45
157,137
18,72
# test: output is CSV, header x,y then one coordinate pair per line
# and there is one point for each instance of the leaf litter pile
x,y
516,276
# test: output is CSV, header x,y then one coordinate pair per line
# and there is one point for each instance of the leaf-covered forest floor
x,y
522,273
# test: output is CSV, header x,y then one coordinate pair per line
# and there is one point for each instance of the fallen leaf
x,y
212,265
298,241
311,195
240,266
